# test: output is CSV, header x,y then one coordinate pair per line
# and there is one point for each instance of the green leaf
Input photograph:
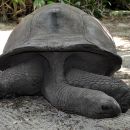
x,y
38,3
50,2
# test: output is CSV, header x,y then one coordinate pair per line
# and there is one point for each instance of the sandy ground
x,y
25,113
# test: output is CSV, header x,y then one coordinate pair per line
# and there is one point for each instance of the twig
x,y
4,3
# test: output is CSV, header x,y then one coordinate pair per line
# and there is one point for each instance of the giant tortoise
x,y
67,56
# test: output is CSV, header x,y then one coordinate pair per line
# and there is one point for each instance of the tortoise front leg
x,y
111,86
25,78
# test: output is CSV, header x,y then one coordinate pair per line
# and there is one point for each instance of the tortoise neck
x,y
54,78
57,66
56,69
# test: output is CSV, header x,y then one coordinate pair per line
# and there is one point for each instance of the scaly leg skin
x,y
111,86
23,78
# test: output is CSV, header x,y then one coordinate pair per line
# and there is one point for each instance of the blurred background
x,y
14,9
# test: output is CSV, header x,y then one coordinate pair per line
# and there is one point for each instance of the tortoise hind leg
x,y
23,78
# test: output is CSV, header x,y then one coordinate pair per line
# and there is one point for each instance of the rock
x,y
119,13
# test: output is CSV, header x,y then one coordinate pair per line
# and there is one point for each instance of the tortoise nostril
x,y
110,108
106,107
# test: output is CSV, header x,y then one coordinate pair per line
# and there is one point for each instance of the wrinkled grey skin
x,y
72,81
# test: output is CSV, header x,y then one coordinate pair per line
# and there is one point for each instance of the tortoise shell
x,y
60,27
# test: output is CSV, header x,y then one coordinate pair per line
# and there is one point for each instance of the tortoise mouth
x,y
106,115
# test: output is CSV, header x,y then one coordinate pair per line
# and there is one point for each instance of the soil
x,y
25,113
120,29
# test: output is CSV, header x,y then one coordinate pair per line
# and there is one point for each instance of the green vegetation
x,y
95,7
13,9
